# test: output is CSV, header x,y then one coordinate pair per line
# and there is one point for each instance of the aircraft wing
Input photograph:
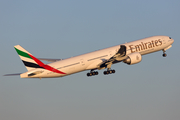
x,y
118,57
49,60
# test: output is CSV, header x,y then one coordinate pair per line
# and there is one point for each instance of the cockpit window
x,y
169,37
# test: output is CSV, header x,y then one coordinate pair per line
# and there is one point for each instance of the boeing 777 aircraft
x,y
129,53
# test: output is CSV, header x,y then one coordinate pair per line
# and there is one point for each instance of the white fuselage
x,y
92,60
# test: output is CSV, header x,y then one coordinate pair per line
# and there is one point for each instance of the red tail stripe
x,y
47,67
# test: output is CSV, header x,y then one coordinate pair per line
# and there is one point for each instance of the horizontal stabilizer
x,y
49,60
12,74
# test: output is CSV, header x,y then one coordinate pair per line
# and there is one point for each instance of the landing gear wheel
x,y
113,71
109,72
105,72
89,74
92,73
164,54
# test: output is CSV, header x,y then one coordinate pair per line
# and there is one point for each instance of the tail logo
x,y
32,62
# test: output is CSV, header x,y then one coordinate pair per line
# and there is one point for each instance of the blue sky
x,y
65,28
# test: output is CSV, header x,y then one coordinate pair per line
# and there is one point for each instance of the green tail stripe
x,y
21,53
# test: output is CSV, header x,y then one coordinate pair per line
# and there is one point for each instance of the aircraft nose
x,y
172,41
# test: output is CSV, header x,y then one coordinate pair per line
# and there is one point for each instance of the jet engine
x,y
133,58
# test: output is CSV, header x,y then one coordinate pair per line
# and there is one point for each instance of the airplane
x,y
129,53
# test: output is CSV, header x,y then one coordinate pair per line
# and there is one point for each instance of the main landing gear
x,y
109,72
92,73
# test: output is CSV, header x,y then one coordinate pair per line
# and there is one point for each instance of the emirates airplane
x,y
129,53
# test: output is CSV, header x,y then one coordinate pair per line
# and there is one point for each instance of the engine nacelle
x,y
133,58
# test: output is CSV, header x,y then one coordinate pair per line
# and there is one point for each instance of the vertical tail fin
x,y
28,59
32,62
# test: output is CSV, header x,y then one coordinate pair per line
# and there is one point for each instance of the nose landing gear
x,y
164,54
